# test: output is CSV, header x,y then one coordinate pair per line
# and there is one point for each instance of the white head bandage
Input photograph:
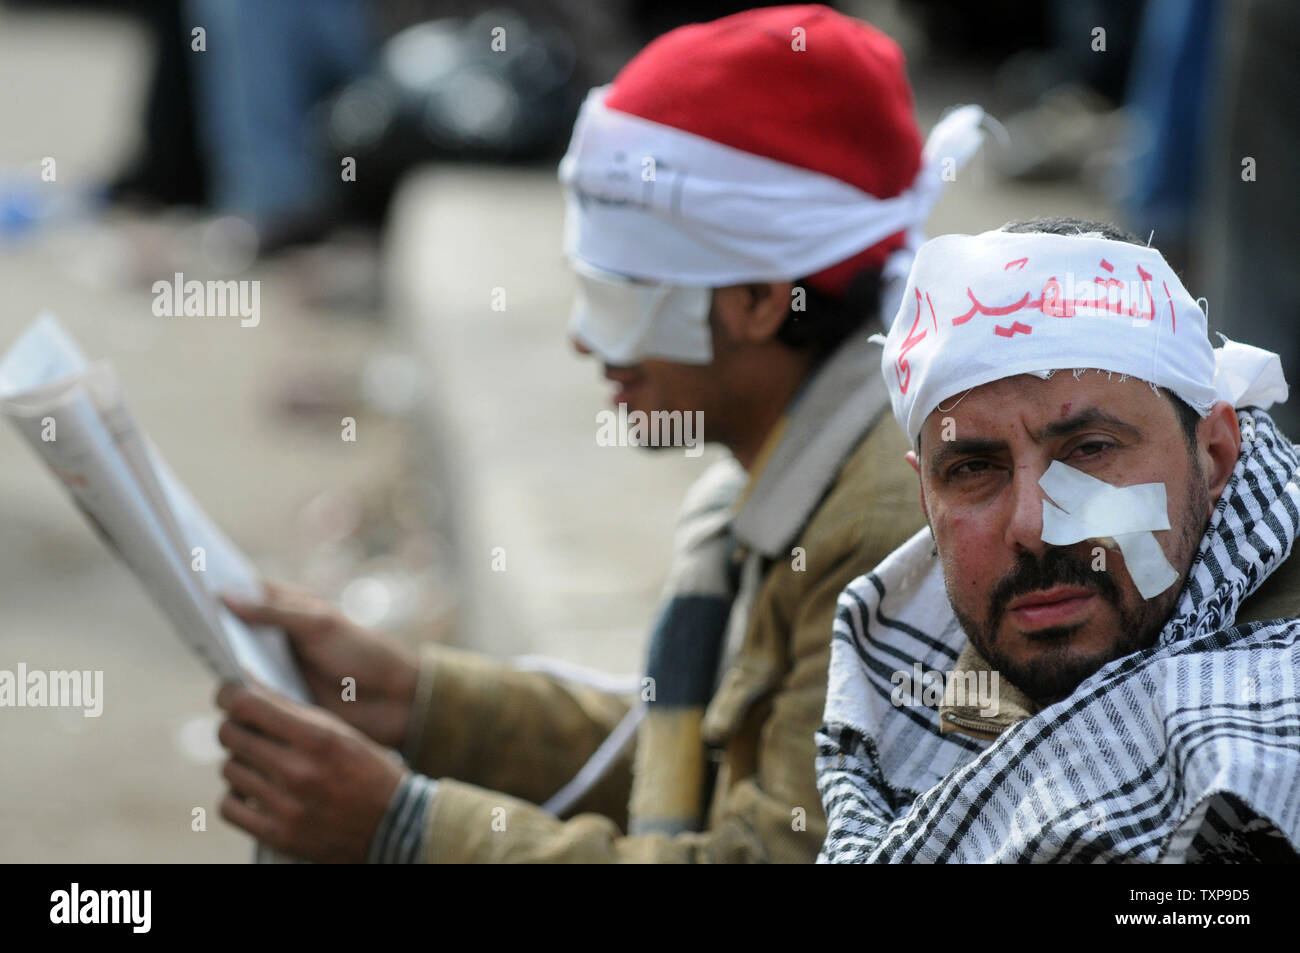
x,y
978,308
652,202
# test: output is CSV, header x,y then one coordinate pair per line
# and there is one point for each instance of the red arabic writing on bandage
x,y
901,366
1103,293
1112,296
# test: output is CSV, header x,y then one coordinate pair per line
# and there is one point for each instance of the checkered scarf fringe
x,y
1178,753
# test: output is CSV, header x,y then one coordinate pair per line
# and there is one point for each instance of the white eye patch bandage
x,y
1083,507
625,321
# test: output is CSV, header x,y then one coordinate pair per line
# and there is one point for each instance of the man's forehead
x,y
1030,403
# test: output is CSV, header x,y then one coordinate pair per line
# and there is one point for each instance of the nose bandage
x,y
626,321
1083,507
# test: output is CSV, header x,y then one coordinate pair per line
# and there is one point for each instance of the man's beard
x,y
1055,672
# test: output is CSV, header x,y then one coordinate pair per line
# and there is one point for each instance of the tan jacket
x,y
501,741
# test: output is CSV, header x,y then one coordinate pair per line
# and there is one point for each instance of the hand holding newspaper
x,y
73,415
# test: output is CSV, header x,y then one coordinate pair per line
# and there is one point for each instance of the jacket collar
x,y
1013,705
803,455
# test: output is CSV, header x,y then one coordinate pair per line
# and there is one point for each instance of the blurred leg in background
x,y
265,66
167,170
1168,105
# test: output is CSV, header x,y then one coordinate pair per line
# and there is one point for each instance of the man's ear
x,y
753,312
915,463
1218,445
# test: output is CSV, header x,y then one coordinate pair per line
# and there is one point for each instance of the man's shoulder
x,y
873,504
1277,598
869,510
715,490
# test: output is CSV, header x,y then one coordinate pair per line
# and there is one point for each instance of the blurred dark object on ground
x,y
605,33
442,91
260,126
990,31
1071,58
497,87
1061,98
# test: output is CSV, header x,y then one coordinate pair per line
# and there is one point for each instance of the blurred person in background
x,y
1207,162
1067,122
1247,239
742,201
1160,172
260,70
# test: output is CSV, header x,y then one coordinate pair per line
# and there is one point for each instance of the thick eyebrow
x,y
1084,419
961,448
950,449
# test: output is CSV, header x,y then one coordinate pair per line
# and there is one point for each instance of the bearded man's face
x,y
1046,617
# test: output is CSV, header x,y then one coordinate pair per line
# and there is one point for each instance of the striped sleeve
x,y
399,839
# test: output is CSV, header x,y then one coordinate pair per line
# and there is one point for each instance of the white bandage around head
x,y
1083,507
625,321
978,308
658,203
648,201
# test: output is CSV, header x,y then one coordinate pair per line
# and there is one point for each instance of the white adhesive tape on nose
x,y
1083,507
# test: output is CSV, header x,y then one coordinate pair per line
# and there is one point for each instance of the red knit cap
x,y
841,106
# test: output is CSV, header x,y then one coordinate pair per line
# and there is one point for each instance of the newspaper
x,y
72,413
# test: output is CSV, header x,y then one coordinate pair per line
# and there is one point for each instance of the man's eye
x,y
968,468
1091,449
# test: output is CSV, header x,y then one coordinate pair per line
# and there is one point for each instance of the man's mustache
x,y
1059,566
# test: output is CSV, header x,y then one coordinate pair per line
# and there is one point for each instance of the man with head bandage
x,y
740,200
1100,619
768,161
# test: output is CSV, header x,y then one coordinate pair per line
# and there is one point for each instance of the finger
x,y
227,692
266,609
293,610
246,818
272,715
252,749
251,784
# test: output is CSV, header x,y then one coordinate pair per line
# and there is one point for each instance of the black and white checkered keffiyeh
x,y
1186,751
